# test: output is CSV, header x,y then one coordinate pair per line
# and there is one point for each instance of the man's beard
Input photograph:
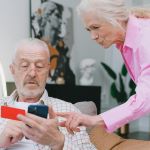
x,y
28,93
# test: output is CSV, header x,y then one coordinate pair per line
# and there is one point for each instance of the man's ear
x,y
11,67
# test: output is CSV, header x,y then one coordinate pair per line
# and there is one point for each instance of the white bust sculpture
x,y
87,67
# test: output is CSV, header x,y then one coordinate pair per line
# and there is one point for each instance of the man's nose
x,y
32,71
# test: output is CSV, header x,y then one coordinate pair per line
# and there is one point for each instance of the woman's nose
x,y
94,36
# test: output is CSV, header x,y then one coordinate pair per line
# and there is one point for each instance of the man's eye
x,y
39,66
24,65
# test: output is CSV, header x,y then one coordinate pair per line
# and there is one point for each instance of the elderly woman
x,y
109,22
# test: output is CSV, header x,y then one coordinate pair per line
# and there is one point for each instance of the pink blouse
x,y
136,55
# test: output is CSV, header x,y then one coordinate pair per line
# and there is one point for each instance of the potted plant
x,y
119,92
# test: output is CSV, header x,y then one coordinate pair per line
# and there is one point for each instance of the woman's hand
x,y
74,120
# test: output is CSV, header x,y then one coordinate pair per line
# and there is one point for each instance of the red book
x,y
10,112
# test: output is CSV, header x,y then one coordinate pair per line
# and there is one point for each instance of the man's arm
x,y
46,132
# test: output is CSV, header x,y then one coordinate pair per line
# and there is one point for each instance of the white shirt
x,y
78,141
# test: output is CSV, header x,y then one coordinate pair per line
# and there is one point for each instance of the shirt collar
x,y
132,31
14,96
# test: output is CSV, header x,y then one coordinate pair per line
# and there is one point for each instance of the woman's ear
x,y
12,69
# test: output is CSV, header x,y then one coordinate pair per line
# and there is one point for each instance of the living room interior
x,y
16,24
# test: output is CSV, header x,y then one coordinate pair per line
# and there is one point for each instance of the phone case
x,y
39,110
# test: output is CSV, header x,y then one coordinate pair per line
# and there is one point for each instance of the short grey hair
x,y
111,10
31,42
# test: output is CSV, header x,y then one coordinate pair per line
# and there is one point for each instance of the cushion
x,y
87,107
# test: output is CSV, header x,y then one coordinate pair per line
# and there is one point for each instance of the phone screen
x,y
39,110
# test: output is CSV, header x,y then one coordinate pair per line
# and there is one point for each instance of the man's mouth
x,y
31,83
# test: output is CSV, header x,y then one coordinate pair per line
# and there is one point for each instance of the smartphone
x,y
39,110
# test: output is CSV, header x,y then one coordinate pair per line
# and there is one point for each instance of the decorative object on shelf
x,y
119,92
87,68
52,23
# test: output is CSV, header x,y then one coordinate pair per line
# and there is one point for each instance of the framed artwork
x,y
52,23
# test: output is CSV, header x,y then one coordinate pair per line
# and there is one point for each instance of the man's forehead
x,y
31,59
32,56
32,51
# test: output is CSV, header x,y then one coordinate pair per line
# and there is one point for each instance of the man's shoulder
x,y
3,101
59,101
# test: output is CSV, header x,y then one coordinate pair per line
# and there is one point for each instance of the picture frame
x,y
53,23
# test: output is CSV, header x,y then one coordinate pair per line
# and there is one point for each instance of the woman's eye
x,y
94,28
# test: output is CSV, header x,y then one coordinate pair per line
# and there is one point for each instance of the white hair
x,y
31,42
111,10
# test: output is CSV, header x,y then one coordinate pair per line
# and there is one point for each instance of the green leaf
x,y
132,87
114,91
123,97
132,92
131,84
119,93
121,83
123,70
110,72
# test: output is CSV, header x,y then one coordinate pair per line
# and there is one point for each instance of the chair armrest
x,y
103,140
133,145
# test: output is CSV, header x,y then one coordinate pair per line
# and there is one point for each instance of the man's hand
x,y
12,133
43,131
74,120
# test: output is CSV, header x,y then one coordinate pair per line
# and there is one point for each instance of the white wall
x,y
14,18
15,26
83,46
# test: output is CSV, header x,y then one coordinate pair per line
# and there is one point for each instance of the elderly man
x,y
30,69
